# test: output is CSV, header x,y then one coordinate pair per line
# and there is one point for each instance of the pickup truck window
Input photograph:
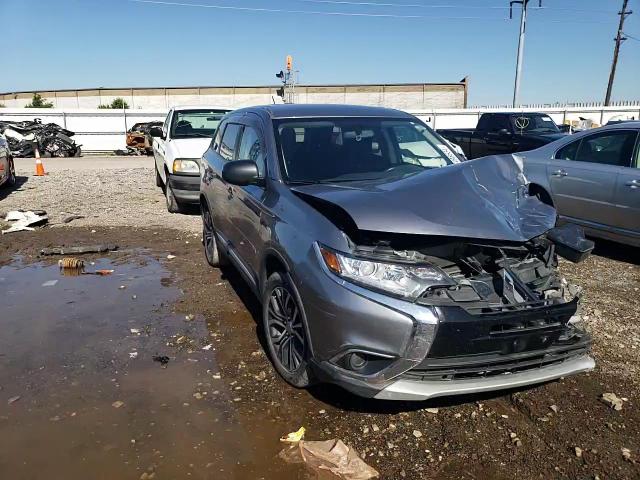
x,y
251,149
534,123
229,141
195,123
495,123
350,149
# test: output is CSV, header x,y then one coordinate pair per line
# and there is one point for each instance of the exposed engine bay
x,y
487,276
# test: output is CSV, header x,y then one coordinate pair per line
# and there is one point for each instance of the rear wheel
x,y
284,327
213,254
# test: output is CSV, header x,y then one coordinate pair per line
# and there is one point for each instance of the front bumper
x,y
406,389
425,352
186,188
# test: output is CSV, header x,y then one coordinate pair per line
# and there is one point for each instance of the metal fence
x,y
104,130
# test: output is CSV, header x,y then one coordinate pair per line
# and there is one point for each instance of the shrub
x,y
38,102
117,104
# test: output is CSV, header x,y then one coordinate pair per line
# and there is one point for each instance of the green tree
x,y
117,104
38,102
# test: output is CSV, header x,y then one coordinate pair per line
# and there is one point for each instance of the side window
x,y
165,125
218,137
568,152
608,148
252,149
484,121
229,141
500,122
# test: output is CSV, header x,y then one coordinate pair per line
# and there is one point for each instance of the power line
x,y
631,37
310,12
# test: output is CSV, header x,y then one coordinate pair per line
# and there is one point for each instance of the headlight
x,y
404,280
186,165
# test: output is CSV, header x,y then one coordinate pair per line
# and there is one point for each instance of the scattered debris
x,y
207,347
170,257
162,359
103,272
554,408
22,220
71,218
13,399
417,433
78,250
117,404
294,437
49,283
135,331
122,287
49,138
133,354
612,400
71,263
190,317
431,410
626,454
578,451
329,455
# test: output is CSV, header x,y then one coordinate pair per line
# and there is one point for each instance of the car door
x,y
627,196
583,176
224,210
160,145
248,200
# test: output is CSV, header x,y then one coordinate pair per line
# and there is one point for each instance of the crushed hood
x,y
479,199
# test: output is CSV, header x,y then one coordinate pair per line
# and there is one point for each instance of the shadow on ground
x,y
6,190
617,251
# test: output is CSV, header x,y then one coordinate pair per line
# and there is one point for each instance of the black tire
x,y
172,204
212,252
11,181
158,178
284,328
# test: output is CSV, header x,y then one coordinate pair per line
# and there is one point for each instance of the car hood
x,y
190,147
480,199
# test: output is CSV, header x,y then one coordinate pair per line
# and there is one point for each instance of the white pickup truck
x,y
177,149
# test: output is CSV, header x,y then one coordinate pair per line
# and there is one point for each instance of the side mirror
x,y
155,132
504,132
240,172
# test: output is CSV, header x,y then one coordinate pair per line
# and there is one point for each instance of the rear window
x,y
196,123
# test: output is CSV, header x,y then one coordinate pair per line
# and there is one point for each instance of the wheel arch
x,y
537,190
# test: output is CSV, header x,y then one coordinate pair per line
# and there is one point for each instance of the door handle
x,y
633,184
559,173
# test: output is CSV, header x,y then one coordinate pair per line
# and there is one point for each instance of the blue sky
x,y
111,43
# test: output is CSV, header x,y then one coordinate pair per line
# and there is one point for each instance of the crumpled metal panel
x,y
480,199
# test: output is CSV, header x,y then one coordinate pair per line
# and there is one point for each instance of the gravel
x,y
107,197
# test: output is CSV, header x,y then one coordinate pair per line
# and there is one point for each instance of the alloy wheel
x,y
285,329
208,235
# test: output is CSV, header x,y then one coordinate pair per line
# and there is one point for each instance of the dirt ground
x,y
69,353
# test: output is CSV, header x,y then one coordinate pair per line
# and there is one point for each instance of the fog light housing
x,y
356,361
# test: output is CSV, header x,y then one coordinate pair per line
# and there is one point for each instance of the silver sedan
x,y
592,178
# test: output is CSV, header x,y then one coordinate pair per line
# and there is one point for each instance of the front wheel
x,y
284,326
11,181
172,203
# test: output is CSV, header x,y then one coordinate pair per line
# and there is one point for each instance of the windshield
x,y
534,123
196,123
332,150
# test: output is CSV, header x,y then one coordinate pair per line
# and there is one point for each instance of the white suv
x,y
177,149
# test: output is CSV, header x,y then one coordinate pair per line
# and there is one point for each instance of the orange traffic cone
x,y
39,165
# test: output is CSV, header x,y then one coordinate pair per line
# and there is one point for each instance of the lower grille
x,y
480,366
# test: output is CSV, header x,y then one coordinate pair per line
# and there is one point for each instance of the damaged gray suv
x,y
384,264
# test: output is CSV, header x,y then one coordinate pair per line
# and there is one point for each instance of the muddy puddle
x,y
81,395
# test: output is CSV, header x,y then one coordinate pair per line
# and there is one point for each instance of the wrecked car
x,y
50,139
388,266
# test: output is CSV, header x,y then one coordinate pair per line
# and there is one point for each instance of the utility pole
x,y
619,39
523,26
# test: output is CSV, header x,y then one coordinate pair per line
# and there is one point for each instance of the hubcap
x,y
286,331
207,233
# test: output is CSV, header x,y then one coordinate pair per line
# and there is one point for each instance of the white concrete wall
x,y
104,130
